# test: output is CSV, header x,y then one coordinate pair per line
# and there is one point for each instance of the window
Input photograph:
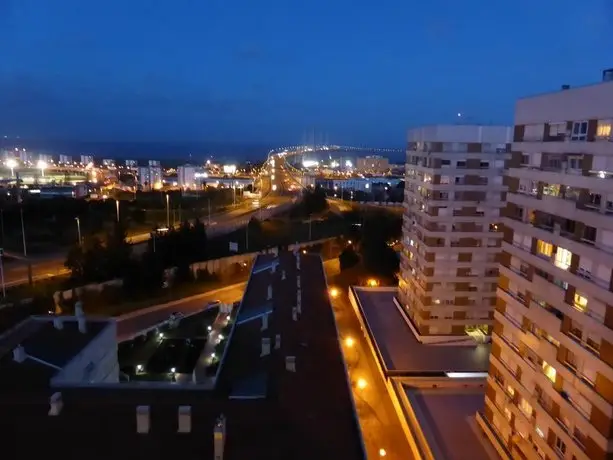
x,y
525,159
563,258
549,372
604,128
575,163
444,180
579,132
525,407
560,446
580,302
544,248
557,129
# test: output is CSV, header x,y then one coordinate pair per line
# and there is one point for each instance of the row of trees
x,y
99,259
371,237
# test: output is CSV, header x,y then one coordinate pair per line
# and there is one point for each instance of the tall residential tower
x,y
550,386
453,197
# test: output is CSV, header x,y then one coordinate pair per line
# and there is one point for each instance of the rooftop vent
x,y
265,346
19,354
607,75
565,87
55,404
82,324
264,322
185,419
58,322
290,363
277,341
142,419
269,296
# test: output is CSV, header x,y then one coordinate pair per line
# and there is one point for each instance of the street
x,y
137,321
379,423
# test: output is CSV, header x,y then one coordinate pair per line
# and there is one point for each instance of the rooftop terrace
x,y
271,411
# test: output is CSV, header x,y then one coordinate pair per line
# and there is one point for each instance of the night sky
x,y
359,72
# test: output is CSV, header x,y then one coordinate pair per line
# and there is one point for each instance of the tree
x,y
118,251
348,258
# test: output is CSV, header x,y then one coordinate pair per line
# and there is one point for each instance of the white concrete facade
x,y
451,233
550,388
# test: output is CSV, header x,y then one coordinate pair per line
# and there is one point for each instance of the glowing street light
x,y
12,164
349,342
373,282
42,165
382,453
334,293
362,384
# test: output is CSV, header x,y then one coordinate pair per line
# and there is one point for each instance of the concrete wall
x,y
219,266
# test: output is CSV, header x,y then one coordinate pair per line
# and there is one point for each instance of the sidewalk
x,y
206,357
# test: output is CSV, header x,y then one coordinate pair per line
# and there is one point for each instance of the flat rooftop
x,y
270,412
401,352
46,347
447,419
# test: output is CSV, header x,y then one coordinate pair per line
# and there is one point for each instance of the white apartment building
x,y
373,164
451,234
150,176
550,385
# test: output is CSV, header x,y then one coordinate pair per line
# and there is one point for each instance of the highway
x,y
131,324
377,417
275,192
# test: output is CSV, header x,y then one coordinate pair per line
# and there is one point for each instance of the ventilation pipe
x,y
265,346
277,341
142,419
19,354
185,419
55,404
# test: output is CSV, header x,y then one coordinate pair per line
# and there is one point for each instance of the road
x,y
377,416
132,324
275,191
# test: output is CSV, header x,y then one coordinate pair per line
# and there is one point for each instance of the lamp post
x,y
167,211
23,234
12,164
117,208
78,230
42,165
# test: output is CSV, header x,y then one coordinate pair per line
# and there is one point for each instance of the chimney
x,y
219,437
58,323
283,275
290,363
565,87
19,354
185,419
298,281
82,324
265,346
264,322
55,404
142,419
269,297
277,341
295,313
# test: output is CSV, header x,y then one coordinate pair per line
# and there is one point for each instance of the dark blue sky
x,y
269,70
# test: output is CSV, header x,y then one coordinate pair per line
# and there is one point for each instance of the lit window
x,y
580,302
525,407
549,372
603,129
563,258
544,248
510,390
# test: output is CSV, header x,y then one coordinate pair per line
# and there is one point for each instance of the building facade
x,y
451,234
373,164
550,384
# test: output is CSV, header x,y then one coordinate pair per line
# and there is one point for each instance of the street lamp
x,y
117,208
362,384
78,229
349,342
12,164
334,293
167,211
42,165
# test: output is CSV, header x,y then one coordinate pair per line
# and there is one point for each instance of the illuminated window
x,y
525,407
603,129
510,390
580,302
507,413
563,258
549,372
544,248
